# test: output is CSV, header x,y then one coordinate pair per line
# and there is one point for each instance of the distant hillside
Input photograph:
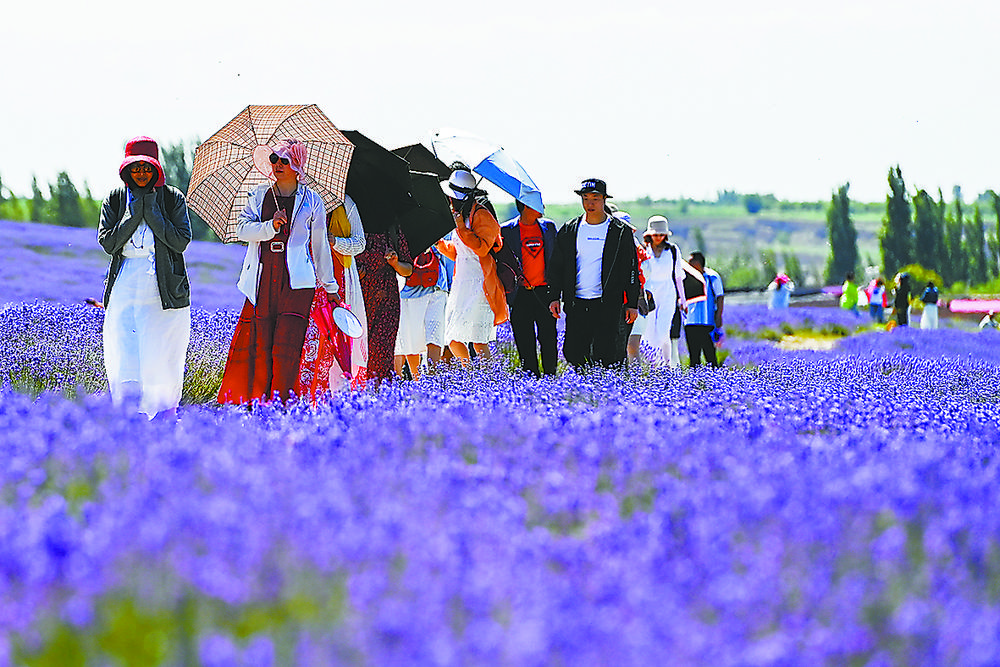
x,y
729,230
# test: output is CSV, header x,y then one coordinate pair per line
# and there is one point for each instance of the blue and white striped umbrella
x,y
490,161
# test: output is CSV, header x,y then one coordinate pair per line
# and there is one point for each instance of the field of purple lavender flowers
x,y
794,508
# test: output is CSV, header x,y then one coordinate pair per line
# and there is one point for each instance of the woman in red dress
x,y
386,256
284,225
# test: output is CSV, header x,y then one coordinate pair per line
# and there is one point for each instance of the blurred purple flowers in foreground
x,y
794,508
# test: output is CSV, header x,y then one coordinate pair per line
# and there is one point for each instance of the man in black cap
x,y
595,271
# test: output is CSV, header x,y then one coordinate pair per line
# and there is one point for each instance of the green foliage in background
x,y
895,238
66,205
748,235
843,237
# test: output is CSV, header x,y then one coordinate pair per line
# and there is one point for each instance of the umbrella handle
x,y
274,193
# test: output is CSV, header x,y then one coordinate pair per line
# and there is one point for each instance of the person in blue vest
x,y
595,272
704,292
533,240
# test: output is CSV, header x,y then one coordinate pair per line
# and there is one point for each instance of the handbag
x,y
646,303
425,270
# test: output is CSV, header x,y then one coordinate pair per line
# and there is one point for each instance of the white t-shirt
x,y
590,258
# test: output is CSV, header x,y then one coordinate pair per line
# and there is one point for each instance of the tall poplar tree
x,y
843,237
975,248
177,172
957,266
39,206
926,232
699,240
895,237
995,245
66,202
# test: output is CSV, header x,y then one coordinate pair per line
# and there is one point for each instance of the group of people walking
x,y
302,259
894,305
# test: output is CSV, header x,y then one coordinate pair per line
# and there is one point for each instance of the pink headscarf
x,y
296,153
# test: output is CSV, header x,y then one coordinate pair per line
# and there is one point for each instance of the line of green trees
x,y
924,232
62,203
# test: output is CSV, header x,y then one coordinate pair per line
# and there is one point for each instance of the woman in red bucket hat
x,y
147,325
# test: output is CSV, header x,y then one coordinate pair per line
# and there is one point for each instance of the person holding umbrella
x,y
477,302
147,326
288,254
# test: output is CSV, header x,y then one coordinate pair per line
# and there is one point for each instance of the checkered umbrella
x,y
224,173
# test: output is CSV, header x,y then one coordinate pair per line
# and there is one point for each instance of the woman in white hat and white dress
x,y
664,276
477,302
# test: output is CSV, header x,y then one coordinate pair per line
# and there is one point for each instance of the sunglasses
x,y
141,169
274,159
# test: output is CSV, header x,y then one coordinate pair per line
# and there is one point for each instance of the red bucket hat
x,y
142,149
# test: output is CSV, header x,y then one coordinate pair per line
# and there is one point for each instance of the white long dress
x,y
353,246
661,280
468,316
145,346
929,319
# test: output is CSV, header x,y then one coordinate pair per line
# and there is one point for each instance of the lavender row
x,y
829,510
755,321
53,347
66,265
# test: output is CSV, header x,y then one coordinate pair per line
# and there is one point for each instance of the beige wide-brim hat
x,y
657,224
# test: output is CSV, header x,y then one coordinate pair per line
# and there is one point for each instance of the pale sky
x,y
665,99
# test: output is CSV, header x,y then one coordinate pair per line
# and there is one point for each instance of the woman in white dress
x,y
477,302
147,324
664,275
319,371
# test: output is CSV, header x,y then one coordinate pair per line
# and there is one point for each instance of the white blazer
x,y
308,228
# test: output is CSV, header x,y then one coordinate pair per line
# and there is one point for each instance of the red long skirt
x,y
267,345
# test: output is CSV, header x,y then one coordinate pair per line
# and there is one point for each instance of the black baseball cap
x,y
594,185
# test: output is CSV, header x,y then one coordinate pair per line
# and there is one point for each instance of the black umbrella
x,y
420,158
378,182
431,217
388,193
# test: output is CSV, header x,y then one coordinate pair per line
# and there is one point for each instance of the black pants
x,y
530,313
699,340
903,316
592,333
